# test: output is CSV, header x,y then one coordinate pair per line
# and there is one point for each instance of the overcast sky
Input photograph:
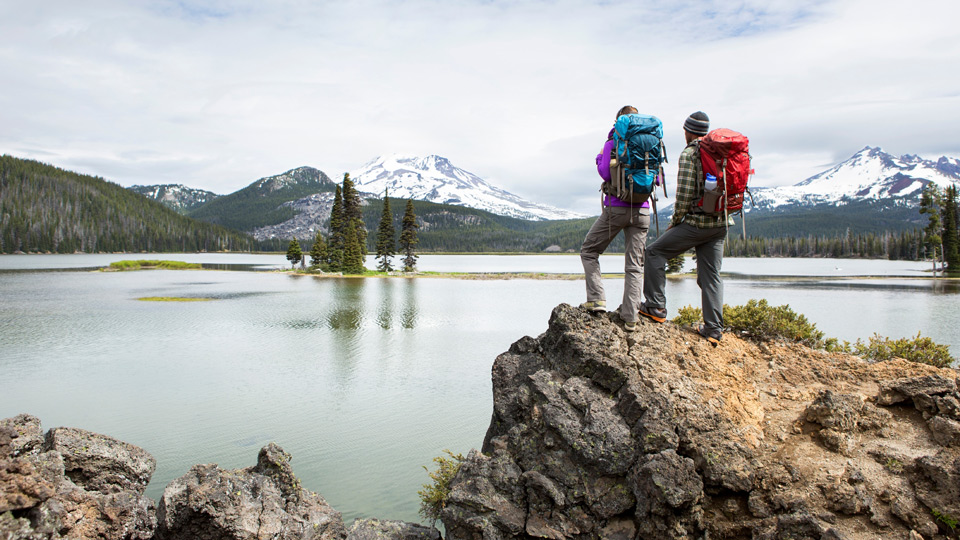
x,y
217,94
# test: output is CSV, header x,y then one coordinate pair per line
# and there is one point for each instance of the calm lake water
x,y
363,381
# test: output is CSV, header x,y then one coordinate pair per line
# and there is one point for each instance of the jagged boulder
x,y
600,433
72,484
263,501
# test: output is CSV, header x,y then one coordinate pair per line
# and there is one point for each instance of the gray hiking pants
x,y
709,248
634,222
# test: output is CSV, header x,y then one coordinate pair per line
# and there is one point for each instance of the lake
x,y
363,381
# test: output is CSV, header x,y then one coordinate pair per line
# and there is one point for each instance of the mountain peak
x,y
435,179
870,174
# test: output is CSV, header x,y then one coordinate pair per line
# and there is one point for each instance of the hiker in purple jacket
x,y
617,215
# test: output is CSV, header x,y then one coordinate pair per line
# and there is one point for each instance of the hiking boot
x,y
653,313
630,326
596,306
713,336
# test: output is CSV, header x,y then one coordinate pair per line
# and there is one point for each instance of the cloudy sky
x,y
217,94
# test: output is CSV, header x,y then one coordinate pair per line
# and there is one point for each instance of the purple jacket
x,y
603,167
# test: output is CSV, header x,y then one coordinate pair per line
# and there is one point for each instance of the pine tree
x,y
385,237
675,265
337,223
408,238
930,205
318,252
352,256
951,242
353,211
294,253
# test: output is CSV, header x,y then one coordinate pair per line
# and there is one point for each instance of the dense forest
x,y
47,209
902,246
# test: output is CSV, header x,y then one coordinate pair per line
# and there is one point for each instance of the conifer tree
x,y
337,223
930,205
352,256
951,242
675,265
385,237
294,253
353,211
408,238
318,252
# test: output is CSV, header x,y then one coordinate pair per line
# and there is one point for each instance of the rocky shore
x,y
595,433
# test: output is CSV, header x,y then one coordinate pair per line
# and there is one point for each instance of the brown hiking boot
x,y
655,314
713,336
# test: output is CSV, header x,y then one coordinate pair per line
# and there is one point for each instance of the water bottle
x,y
711,183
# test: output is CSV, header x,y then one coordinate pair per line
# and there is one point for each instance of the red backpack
x,y
725,154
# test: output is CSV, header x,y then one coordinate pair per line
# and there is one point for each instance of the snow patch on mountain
x,y
871,173
176,196
435,179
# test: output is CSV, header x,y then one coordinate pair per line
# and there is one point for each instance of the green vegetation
x,y
951,239
386,237
409,239
260,203
946,519
894,465
897,246
433,497
46,209
760,321
919,349
165,265
294,253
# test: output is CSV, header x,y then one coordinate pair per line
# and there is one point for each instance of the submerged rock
x,y
655,434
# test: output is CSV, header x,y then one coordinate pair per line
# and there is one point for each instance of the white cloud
x,y
217,94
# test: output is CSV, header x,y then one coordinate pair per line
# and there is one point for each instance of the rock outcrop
x,y
599,433
595,433
264,501
72,483
76,484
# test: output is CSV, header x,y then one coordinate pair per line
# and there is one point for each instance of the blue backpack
x,y
639,157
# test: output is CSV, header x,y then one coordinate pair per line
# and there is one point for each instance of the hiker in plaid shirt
x,y
704,233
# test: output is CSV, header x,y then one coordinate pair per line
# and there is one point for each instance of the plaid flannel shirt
x,y
690,190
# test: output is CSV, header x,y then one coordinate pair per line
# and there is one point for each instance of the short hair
x,y
626,109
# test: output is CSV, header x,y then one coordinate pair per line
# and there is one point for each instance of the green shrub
x,y
167,265
758,320
688,315
919,349
433,497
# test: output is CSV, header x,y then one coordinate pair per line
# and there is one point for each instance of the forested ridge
x,y
47,209
260,203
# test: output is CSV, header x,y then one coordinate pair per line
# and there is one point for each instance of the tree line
x,y
345,249
44,209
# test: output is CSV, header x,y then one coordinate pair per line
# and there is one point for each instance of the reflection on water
x,y
363,381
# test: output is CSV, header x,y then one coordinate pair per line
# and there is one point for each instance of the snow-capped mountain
x,y
871,173
177,196
435,179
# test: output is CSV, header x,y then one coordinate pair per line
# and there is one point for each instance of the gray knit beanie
x,y
697,123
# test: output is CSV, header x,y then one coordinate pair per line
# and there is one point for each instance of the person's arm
x,y
687,180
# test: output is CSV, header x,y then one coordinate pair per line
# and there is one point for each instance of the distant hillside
x,y
446,227
261,203
47,209
177,196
